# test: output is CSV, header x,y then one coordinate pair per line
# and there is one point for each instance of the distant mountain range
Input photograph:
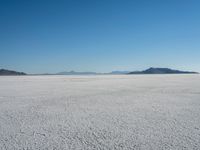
x,y
4,72
91,73
161,71
147,71
119,72
76,73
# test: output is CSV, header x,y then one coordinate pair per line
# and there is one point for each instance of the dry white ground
x,y
100,112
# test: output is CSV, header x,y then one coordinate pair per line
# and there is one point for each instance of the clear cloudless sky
x,y
38,36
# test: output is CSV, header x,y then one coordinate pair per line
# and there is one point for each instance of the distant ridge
x,y
119,72
4,72
162,71
76,73
91,73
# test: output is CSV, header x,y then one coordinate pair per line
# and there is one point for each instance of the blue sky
x,y
38,36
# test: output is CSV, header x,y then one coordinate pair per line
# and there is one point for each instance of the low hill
x,y
4,72
161,71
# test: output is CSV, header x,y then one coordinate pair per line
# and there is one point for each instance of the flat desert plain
x,y
141,112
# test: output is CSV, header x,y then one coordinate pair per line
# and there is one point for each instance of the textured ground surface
x,y
100,112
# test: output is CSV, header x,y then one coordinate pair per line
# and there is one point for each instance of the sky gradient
x,y
40,36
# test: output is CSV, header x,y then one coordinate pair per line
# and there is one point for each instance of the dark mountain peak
x,y
153,70
160,70
5,72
